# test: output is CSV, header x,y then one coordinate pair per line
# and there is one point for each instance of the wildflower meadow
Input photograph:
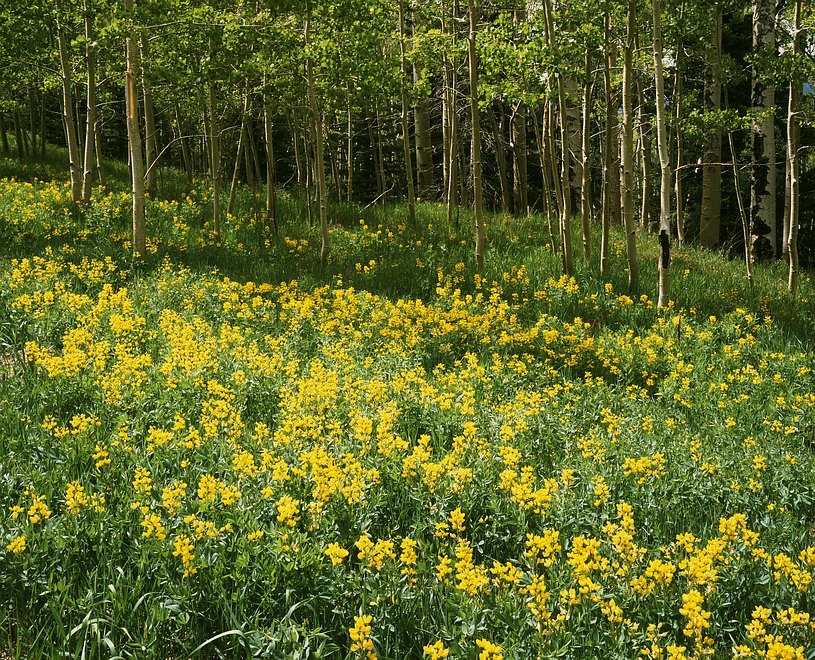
x,y
237,451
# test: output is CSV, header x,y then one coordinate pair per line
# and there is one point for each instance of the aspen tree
x,y
664,289
134,138
628,154
90,123
478,201
793,140
69,121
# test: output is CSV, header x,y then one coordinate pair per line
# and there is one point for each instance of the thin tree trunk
x,y
372,139
609,172
349,163
271,184
664,295
710,220
554,180
79,144
100,161
236,171
546,193
215,161
90,118
333,156
679,155
519,165
411,195
150,142
480,230
628,156
3,133
42,128
453,199
566,192
565,186
793,139
18,134
645,160
134,141
317,123
185,152
500,157
74,158
763,181
32,104
251,181
585,170
785,230
446,112
745,221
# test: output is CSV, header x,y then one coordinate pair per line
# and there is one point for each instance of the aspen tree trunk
x,y
645,159
519,166
271,183
554,181
18,134
565,181
763,180
3,134
745,221
585,171
452,130
251,180
573,128
785,230
294,132
478,200
90,117
565,188
349,163
134,140
679,156
665,167
32,104
80,148
252,135
185,152
500,157
74,157
233,188
445,106
380,157
609,173
710,220
150,142
100,161
546,194
333,157
793,139
380,188
424,145
42,128
411,195
319,161
215,161
628,156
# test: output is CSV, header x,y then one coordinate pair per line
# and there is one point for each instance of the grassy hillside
x,y
233,451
